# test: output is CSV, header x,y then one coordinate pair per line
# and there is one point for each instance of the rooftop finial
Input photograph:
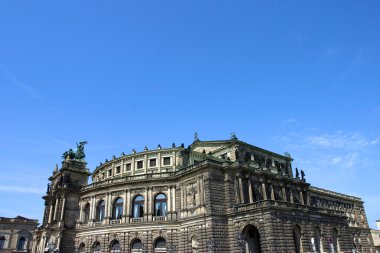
x,y
56,168
145,148
159,146
173,145
233,136
133,151
196,137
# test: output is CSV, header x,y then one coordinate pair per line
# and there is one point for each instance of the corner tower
x,y
57,233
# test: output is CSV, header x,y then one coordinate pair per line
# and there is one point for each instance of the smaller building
x,y
16,234
376,236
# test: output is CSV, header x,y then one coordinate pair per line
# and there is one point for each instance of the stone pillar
x,y
125,201
133,165
150,204
264,191
93,208
128,207
50,213
250,189
146,210
81,204
284,197
301,196
173,196
63,208
272,193
241,190
159,162
291,195
55,208
169,198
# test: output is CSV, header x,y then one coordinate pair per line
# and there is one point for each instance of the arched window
x,y
138,206
86,213
317,240
136,246
82,248
160,205
115,247
252,239
297,239
335,240
117,211
100,209
96,247
2,242
160,245
21,243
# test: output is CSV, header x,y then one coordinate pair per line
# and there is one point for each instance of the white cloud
x,y
336,160
341,140
19,189
27,89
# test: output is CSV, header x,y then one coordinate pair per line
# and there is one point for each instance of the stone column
x,y
93,208
291,195
63,207
264,190
81,204
159,162
55,208
169,198
150,204
250,189
145,165
272,193
301,196
128,206
241,190
50,213
146,210
125,201
173,196
284,197
133,165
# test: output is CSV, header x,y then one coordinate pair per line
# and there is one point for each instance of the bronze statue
x,y
302,175
79,155
297,174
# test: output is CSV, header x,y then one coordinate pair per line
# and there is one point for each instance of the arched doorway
x,y
252,239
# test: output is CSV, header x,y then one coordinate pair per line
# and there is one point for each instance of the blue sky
x,y
289,76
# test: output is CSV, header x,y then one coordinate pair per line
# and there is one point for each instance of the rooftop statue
x,y
79,155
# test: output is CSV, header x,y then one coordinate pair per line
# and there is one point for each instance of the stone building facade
x,y
376,236
213,196
16,234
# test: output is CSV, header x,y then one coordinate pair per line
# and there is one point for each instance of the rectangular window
x,y
140,164
117,169
166,160
128,167
152,162
110,173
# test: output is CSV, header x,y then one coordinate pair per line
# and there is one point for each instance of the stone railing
x,y
116,221
335,194
282,204
136,220
160,218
